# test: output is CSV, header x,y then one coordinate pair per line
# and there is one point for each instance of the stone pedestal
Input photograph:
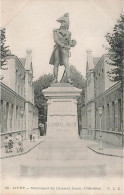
x,y
62,120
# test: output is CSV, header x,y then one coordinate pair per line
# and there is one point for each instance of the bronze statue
x,y
60,54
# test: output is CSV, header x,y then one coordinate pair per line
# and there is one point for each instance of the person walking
x,y
19,147
30,136
33,136
6,144
10,143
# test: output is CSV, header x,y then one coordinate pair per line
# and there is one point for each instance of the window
x,y
7,110
119,115
108,117
19,117
113,116
11,116
97,119
103,118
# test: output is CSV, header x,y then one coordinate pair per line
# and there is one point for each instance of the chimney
x,y
90,60
28,59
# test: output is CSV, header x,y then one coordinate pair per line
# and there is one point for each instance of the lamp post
x,y
22,113
100,142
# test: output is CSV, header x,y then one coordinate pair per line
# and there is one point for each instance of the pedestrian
x,y
19,147
6,144
41,128
10,143
33,136
30,136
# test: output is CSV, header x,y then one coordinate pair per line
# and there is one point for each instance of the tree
x,y
40,101
4,51
78,81
116,44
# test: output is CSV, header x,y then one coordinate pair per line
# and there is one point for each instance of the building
x,y
100,92
17,98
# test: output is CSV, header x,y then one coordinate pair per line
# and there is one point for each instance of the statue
x,y
60,54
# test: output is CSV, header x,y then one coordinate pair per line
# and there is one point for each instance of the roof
x,y
22,60
95,60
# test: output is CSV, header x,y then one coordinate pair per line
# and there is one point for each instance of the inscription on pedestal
x,y
62,124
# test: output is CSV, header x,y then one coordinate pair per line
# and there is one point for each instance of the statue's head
x,y
64,20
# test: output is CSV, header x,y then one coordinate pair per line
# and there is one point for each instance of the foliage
x,y
4,51
78,81
115,50
40,101
76,77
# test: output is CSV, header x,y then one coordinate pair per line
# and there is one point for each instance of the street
x,y
62,167
66,159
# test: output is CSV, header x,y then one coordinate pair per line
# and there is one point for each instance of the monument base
x,y
62,120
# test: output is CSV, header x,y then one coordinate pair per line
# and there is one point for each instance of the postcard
x,y
61,85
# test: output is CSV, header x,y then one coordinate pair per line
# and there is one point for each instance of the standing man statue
x,y
60,54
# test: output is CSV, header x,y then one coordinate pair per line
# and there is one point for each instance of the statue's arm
x,y
56,40
73,42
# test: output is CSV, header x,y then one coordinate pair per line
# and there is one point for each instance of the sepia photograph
x,y
62,97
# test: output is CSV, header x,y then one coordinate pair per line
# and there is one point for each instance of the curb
x,y
104,153
22,152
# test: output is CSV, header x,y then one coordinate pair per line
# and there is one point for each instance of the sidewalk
x,y
27,146
108,149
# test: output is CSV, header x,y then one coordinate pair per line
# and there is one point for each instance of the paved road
x,y
69,159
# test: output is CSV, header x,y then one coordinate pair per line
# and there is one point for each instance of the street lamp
x,y
22,113
100,115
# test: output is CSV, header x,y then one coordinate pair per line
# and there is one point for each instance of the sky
x,y
29,25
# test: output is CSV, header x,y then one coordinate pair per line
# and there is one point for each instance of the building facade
x,y
100,92
17,98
